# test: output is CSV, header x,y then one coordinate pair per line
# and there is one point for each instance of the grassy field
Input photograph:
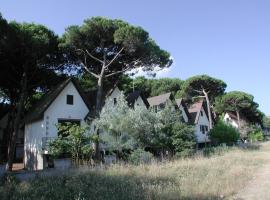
x,y
215,177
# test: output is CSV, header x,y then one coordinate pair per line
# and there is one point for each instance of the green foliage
x,y
212,151
115,122
75,140
174,135
255,134
29,49
214,87
144,125
139,156
224,133
58,147
151,87
237,101
266,122
183,139
105,38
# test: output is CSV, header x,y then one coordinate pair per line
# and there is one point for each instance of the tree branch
x,y
198,97
87,70
198,91
114,57
118,72
95,58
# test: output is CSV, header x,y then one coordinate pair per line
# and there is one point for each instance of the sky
x,y
226,39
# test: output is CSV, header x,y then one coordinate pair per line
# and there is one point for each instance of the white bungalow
x,y
200,119
66,103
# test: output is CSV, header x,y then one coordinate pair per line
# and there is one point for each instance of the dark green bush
x,y
183,139
140,156
255,136
224,133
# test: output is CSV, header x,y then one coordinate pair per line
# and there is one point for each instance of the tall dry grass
x,y
201,178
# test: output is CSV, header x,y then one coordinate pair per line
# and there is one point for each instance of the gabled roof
x,y
91,99
132,97
160,99
232,115
41,106
180,102
92,95
194,110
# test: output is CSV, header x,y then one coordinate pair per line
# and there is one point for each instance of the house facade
x,y
183,108
231,119
200,119
64,104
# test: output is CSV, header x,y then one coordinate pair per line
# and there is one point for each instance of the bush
x,y
220,150
139,156
224,133
256,136
183,139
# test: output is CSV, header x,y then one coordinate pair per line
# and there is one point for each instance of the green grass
x,y
198,178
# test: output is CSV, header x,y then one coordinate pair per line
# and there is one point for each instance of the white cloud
x,y
160,73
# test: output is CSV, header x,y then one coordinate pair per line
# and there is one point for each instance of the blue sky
x,y
227,39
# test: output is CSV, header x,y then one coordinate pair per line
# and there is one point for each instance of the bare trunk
x,y
98,108
7,133
208,110
238,119
17,121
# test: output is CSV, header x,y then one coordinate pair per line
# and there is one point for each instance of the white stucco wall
x,y
33,158
46,127
139,102
229,120
203,120
115,93
59,109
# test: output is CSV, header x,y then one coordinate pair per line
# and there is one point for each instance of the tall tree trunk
x,y
208,109
238,119
17,122
98,108
7,133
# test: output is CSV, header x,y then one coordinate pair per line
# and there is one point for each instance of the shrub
x,y
139,156
59,147
220,150
256,136
76,141
224,133
183,139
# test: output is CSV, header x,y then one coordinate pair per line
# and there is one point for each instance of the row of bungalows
x,y
67,102
194,114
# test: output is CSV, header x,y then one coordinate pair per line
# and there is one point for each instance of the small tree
x,y
255,134
183,139
224,133
174,135
75,140
114,125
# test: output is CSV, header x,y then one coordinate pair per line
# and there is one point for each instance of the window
x,y
114,101
204,129
70,99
